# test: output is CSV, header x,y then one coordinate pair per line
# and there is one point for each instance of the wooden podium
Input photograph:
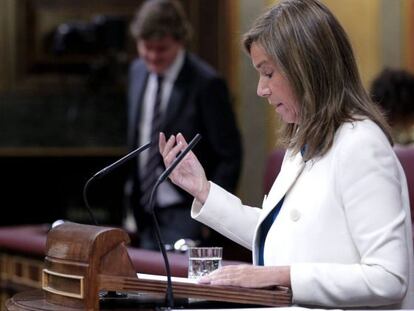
x,y
82,261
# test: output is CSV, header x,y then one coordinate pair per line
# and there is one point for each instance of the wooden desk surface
x,y
35,301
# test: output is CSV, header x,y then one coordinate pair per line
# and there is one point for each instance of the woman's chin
x,y
288,119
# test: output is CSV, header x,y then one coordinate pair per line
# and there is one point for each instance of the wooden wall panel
x,y
361,21
408,24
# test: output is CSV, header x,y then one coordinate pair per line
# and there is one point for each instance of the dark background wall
x,y
62,105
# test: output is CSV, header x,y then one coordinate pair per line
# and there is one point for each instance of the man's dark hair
x,y
159,18
393,90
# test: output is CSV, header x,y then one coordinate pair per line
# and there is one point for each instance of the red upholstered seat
x,y
406,156
30,241
272,169
151,262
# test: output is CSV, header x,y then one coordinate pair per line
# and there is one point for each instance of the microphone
x,y
169,291
107,170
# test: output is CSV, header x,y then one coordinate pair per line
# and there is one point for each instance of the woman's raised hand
x,y
189,174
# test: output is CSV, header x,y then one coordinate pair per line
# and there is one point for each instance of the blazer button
x,y
294,215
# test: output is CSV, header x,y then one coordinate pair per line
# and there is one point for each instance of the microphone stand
x,y
100,174
169,297
105,171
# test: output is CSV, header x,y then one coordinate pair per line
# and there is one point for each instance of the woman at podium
x,y
335,226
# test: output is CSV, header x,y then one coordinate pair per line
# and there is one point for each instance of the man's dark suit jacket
x,y
199,103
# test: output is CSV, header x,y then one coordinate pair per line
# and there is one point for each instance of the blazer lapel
x,y
291,169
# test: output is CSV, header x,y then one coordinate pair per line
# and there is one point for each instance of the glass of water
x,y
203,260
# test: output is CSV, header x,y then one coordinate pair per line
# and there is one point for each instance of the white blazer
x,y
344,227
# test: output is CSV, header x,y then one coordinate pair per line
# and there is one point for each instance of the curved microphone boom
x,y
161,178
107,170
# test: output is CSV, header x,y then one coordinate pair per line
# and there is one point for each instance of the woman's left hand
x,y
249,276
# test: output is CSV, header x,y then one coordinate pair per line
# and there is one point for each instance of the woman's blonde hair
x,y
308,44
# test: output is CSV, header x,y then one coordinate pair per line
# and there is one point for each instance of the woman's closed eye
x,y
268,74
265,73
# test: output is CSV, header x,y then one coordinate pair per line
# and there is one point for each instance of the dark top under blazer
x,y
199,103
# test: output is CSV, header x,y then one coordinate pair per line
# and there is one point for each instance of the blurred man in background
x,y
393,90
173,91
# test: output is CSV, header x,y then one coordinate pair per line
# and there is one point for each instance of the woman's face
x,y
274,86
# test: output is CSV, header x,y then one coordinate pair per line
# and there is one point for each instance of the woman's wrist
x,y
202,194
274,275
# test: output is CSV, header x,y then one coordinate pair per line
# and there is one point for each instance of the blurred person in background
x,y
393,90
173,91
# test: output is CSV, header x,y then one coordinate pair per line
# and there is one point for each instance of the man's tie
x,y
149,176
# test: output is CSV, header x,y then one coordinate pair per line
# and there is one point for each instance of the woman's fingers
x,y
204,280
181,139
166,148
169,150
211,277
233,275
172,153
249,276
161,142
172,147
